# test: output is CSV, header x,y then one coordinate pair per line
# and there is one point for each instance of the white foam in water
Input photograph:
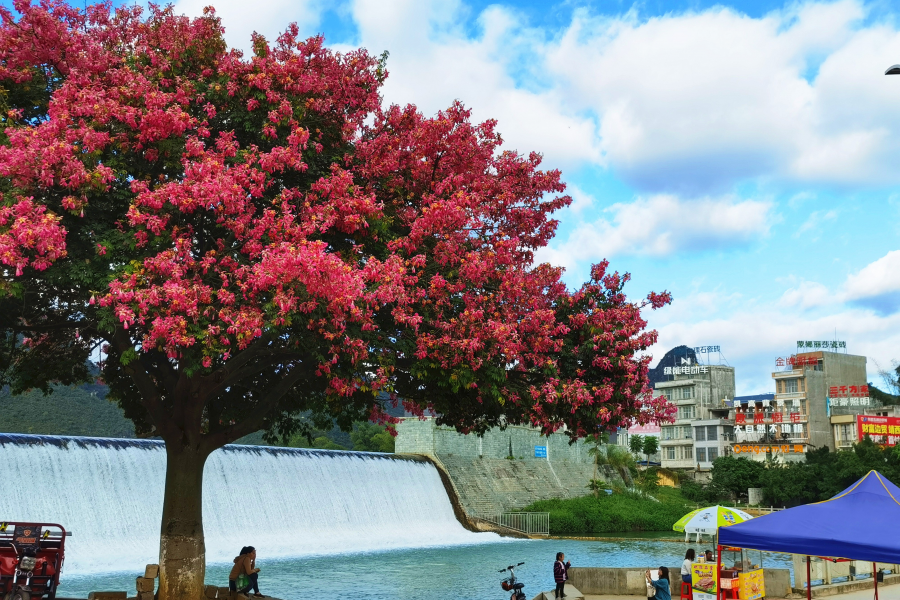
x,y
285,502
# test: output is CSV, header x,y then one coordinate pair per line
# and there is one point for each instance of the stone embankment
x,y
503,470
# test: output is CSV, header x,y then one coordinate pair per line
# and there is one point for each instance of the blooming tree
x,y
247,239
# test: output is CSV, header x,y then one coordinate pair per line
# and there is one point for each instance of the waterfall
x,y
284,501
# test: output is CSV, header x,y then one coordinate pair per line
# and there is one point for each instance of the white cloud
x,y
662,225
807,295
269,17
877,285
695,102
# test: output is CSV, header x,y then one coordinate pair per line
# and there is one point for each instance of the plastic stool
x,y
690,593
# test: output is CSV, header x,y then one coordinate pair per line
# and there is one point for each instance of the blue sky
x,y
743,156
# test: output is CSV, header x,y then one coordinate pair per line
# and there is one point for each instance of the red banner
x,y
882,430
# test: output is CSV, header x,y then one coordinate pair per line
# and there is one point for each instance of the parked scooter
x,y
511,585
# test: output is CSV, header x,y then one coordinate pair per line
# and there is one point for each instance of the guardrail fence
x,y
532,523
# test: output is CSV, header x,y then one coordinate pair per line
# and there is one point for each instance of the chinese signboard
x,y
786,420
844,391
540,451
853,395
648,429
821,345
757,449
882,430
753,585
797,361
704,581
686,370
706,349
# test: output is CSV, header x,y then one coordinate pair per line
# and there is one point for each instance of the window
x,y
790,386
670,453
668,433
685,412
845,433
683,432
712,454
679,393
701,454
802,384
711,433
700,434
689,452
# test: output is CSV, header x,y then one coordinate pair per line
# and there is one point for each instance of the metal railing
x,y
532,523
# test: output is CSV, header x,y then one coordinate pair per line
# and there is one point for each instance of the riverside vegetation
x,y
613,507
619,512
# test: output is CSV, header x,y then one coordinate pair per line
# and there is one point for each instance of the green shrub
x,y
616,513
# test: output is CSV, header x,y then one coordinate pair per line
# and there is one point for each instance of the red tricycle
x,y
31,558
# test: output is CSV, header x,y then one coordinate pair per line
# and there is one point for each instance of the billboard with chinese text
x,y
882,430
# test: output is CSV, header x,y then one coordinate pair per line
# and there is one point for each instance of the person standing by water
x,y
560,575
661,584
686,565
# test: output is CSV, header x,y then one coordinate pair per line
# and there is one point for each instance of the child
x,y
560,574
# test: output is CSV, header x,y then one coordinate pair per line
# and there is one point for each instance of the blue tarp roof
x,y
860,523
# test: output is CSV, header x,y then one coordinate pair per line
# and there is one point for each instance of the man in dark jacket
x,y
560,574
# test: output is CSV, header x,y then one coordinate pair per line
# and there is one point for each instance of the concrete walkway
x,y
884,593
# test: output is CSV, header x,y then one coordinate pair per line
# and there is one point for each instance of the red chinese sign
x,y
797,361
844,391
882,430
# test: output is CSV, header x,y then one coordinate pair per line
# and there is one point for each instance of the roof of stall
x,y
860,523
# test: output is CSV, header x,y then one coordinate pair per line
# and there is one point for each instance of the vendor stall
x,y
737,574
860,523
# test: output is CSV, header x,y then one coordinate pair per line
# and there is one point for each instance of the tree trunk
x,y
182,553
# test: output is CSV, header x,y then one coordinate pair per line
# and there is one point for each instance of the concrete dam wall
x,y
504,470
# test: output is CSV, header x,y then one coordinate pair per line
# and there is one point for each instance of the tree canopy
x,y
251,238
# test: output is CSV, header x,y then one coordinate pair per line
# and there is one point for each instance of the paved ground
x,y
885,593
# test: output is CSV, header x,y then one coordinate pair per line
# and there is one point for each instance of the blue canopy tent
x,y
860,523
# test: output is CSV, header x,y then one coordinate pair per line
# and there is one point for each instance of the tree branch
x,y
260,412
150,397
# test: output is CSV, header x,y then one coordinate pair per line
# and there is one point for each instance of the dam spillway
x,y
284,501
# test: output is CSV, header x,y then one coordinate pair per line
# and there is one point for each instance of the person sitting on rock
x,y
245,565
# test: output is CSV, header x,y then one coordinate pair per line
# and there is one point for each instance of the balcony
x,y
787,374
790,396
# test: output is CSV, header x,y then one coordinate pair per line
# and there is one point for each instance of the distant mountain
x,y
82,410
671,359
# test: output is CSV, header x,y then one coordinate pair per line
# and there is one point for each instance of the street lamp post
x,y
893,70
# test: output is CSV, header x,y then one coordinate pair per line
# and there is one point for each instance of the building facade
x,y
797,419
699,393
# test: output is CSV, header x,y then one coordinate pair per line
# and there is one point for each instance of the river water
x,y
458,572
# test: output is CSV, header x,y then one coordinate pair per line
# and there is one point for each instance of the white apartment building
x,y
699,392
